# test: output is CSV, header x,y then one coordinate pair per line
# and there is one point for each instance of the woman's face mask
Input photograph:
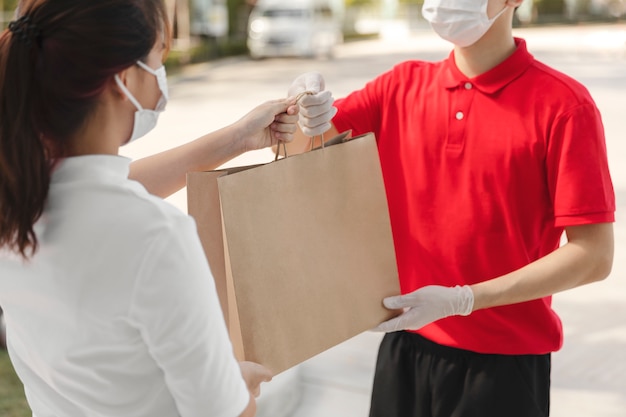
x,y
462,22
146,119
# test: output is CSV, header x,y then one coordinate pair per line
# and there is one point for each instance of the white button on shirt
x,y
117,313
468,86
459,115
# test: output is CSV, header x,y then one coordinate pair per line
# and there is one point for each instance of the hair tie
x,y
25,29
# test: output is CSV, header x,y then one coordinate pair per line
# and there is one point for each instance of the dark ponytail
x,y
55,60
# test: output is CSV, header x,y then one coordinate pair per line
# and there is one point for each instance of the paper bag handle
x,y
285,147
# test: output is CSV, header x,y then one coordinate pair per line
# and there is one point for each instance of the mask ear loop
x,y
160,75
126,91
147,68
298,97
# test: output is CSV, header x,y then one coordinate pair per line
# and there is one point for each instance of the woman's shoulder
x,y
147,211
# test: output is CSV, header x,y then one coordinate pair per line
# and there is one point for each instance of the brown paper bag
x,y
301,249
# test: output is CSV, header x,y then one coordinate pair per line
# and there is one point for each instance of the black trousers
x,y
418,378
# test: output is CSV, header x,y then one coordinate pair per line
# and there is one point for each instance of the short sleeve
x,y
178,313
578,173
360,111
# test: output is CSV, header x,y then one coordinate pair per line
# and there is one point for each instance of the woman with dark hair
x,y
106,291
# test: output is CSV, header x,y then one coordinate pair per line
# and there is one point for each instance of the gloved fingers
x,y
411,319
392,325
399,301
317,125
311,121
325,113
426,305
313,81
318,114
411,299
429,294
315,131
316,110
323,99
309,81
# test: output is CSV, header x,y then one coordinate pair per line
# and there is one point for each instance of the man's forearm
x,y
586,257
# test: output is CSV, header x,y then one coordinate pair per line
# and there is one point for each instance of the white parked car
x,y
306,28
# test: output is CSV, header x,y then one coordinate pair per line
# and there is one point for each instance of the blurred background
x,y
209,29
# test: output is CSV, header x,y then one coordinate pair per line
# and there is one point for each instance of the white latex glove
x,y
316,109
426,305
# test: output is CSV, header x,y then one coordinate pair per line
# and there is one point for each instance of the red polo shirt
x,y
482,175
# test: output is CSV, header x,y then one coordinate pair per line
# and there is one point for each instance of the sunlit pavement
x,y
589,373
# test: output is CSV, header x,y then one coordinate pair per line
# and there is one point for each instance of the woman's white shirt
x,y
117,313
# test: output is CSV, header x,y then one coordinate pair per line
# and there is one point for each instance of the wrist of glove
x,y
426,305
316,107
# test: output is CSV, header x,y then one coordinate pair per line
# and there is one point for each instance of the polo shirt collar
x,y
115,168
497,77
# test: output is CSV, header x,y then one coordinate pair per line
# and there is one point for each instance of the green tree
x,y
8,5
350,3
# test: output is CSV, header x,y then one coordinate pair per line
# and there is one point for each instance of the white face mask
x,y
145,119
462,22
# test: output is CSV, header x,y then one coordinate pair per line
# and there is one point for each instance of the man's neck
x,y
490,50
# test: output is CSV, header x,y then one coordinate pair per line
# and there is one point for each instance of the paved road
x,y
589,373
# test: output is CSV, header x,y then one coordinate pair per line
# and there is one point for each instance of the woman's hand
x,y
254,374
268,124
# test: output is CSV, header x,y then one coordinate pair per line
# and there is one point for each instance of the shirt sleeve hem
x,y
582,219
